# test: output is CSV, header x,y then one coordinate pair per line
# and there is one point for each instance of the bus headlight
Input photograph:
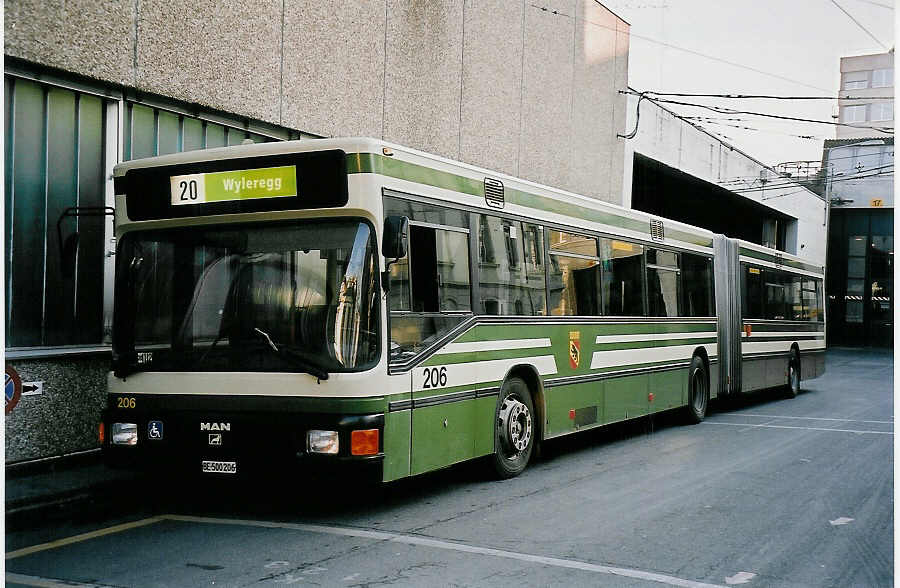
x,y
124,434
322,442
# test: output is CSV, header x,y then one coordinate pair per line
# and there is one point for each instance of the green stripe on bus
x,y
779,260
489,355
412,172
477,356
502,332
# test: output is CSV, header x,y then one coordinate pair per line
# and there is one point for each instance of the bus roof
x,y
368,155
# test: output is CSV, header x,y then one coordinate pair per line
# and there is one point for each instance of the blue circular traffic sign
x,y
12,388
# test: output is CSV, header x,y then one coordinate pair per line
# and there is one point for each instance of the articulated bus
x,y
352,305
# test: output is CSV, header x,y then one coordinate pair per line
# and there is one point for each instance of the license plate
x,y
219,467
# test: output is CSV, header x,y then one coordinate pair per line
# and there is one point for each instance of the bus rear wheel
x,y
698,392
514,429
793,385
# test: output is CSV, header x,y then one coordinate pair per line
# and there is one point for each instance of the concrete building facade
x,y
866,96
529,89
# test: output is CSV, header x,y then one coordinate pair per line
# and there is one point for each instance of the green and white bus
x,y
349,304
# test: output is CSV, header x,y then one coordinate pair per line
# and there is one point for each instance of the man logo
x,y
215,438
215,426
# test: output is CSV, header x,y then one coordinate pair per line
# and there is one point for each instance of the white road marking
x,y
740,578
450,546
805,418
840,521
749,426
48,582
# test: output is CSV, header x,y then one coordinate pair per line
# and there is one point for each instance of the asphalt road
x,y
767,492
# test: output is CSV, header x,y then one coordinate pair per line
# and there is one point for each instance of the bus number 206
x,y
435,377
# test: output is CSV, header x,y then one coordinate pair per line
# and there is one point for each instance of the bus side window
x,y
510,282
794,302
622,278
820,302
439,270
697,281
752,293
808,296
775,295
663,286
574,275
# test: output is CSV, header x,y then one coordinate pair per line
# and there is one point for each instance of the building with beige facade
x,y
526,88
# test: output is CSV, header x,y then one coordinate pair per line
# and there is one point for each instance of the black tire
x,y
514,429
698,392
793,383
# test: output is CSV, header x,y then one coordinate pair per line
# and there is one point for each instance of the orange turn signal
x,y
102,433
364,442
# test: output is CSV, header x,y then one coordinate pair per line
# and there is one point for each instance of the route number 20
x,y
188,189
435,377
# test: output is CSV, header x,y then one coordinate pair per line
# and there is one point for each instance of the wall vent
x,y
657,230
493,193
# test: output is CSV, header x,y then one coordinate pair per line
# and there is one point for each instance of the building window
x,y
855,80
852,114
882,111
883,78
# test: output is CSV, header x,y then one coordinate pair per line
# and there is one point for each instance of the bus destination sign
x,y
243,184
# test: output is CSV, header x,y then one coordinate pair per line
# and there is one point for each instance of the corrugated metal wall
x,y
55,140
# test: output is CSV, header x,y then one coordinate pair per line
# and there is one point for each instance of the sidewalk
x,y
40,490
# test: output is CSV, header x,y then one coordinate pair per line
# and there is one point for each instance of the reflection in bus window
x,y
792,298
510,282
431,280
399,297
662,283
622,278
697,280
574,275
775,297
439,270
752,300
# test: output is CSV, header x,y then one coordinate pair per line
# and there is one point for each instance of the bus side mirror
x,y
393,245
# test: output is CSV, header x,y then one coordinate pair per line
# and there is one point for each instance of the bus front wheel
x,y
514,429
698,392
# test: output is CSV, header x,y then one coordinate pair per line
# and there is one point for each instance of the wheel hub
x,y
515,426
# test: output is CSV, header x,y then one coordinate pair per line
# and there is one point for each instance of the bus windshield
x,y
298,297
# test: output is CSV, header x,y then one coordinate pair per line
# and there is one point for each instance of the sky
x,y
775,47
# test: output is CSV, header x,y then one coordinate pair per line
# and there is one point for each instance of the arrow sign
x,y
32,388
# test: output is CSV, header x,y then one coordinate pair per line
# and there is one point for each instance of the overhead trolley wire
x,y
832,180
634,35
860,25
723,110
748,96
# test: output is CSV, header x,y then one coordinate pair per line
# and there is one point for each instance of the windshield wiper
x,y
291,355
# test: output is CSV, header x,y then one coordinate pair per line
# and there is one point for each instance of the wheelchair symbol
x,y
155,430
